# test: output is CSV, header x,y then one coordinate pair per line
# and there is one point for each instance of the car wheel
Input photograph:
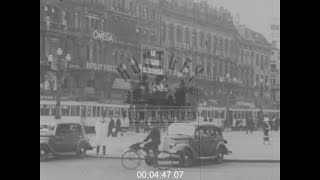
x,y
186,159
220,154
43,153
81,151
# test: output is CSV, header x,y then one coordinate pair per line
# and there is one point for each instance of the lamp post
x,y
59,65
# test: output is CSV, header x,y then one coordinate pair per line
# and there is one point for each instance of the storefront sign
x,y
103,36
100,67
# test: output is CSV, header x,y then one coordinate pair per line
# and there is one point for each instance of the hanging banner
x,y
152,60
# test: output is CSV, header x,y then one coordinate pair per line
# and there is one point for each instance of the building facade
x,y
255,53
101,34
275,77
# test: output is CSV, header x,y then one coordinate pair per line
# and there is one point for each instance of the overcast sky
x,y
256,14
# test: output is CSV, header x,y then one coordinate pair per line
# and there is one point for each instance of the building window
x,y
145,13
208,42
257,59
171,34
187,36
202,39
262,64
194,39
164,33
226,46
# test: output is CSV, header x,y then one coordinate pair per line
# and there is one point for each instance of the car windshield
x,y
181,129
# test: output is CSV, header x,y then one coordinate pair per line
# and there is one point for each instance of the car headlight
x,y
173,143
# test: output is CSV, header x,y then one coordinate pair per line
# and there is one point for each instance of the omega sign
x,y
103,36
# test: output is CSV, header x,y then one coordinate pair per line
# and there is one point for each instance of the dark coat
x,y
154,135
111,124
118,123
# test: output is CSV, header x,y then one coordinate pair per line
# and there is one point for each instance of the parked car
x,y
63,139
195,141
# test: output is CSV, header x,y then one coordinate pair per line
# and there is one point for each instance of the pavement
x,y
244,147
102,169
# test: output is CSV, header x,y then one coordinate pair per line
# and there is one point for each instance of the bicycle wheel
x,y
164,160
130,160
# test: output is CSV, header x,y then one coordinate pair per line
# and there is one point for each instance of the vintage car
x,y
195,141
63,139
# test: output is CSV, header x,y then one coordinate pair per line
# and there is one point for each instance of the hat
x,y
265,119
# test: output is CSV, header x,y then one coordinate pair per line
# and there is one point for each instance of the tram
x,y
86,113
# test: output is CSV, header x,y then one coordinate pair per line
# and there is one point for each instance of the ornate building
x,y
99,35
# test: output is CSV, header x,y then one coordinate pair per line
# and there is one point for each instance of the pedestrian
x,y
101,131
111,126
266,129
118,126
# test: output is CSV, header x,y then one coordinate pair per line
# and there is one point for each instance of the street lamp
x,y
59,65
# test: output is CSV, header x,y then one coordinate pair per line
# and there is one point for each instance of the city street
x,y
100,169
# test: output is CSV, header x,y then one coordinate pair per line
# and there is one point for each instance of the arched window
x,y
178,39
171,33
137,11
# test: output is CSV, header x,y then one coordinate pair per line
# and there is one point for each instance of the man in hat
x,y
118,125
155,137
101,131
111,126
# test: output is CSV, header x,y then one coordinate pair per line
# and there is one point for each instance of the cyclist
x,y
155,136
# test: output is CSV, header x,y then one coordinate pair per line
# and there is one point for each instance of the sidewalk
x,y
244,147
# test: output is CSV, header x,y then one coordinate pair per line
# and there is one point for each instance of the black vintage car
x,y
195,141
63,139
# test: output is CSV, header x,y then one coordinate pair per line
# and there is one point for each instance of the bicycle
x,y
163,160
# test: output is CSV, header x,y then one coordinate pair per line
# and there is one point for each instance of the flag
x,y
123,72
146,57
199,70
172,63
134,65
186,66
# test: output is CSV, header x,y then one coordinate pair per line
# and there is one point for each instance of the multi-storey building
x,y
101,34
275,76
255,57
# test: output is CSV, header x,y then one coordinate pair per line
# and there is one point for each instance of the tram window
x,y
172,114
117,112
209,113
183,115
242,115
124,113
77,110
216,114
89,111
83,111
53,110
189,115
111,111
221,114
65,110
202,113
73,110
98,111
153,114
94,111
178,115
104,111
44,110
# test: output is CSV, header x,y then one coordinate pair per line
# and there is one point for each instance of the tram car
x,y
236,117
86,113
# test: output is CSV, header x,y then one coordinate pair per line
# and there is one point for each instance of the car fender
x,y
47,145
223,146
86,143
182,147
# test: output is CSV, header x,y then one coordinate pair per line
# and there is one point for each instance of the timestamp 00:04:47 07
x,y
159,174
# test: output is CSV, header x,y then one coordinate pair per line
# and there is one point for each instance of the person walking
x,y
266,129
101,130
118,126
111,126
